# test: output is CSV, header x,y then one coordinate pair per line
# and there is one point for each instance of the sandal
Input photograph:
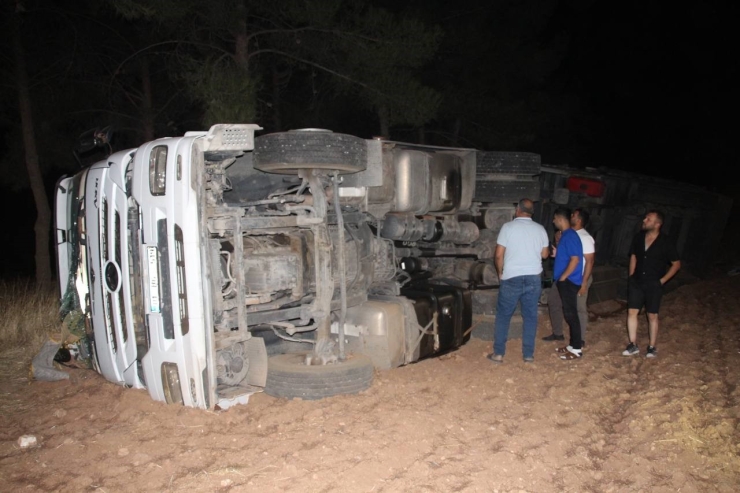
x,y
563,350
569,356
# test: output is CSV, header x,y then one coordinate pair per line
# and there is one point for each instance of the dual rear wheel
x,y
288,376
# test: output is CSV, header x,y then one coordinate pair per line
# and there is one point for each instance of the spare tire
x,y
289,377
508,163
288,152
506,191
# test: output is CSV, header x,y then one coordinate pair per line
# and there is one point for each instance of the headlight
x,y
158,170
171,383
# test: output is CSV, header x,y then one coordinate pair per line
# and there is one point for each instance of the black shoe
x,y
631,350
553,337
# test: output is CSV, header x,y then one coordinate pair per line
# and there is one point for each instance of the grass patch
x,y
29,315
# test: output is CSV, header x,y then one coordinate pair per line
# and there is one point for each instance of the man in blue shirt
x,y
568,276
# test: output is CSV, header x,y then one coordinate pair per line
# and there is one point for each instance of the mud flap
x,y
257,354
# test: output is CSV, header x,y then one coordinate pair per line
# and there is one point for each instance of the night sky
x,y
639,86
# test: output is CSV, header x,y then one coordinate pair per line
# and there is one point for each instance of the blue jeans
x,y
524,289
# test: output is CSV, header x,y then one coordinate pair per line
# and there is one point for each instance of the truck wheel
x,y
507,163
287,152
288,377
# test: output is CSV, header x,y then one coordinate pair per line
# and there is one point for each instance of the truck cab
x,y
213,265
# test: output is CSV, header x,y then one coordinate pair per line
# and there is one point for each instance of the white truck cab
x,y
192,258
128,235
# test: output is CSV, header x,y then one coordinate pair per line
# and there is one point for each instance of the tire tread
x,y
288,378
286,151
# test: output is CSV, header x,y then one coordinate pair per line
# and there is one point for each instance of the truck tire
x,y
506,191
288,377
508,163
288,152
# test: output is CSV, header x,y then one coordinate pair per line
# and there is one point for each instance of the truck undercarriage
x,y
295,262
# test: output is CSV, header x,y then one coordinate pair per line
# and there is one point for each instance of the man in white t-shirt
x,y
521,246
578,220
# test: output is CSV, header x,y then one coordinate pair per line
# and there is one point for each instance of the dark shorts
x,y
647,293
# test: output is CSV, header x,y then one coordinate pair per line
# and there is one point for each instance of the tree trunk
x,y
456,132
422,135
42,227
148,114
276,117
385,131
241,41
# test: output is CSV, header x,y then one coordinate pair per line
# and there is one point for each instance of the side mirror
x,y
92,139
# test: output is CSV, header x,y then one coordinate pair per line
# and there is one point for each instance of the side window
x,y
130,176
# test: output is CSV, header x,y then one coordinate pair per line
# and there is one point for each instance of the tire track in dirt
x,y
688,361
631,414
458,423
715,421
609,384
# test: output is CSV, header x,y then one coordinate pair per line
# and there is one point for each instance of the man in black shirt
x,y
651,254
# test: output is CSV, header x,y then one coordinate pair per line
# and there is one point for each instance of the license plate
x,y
153,261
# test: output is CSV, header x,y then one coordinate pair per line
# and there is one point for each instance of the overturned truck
x,y
207,267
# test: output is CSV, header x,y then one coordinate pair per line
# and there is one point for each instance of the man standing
x,y
650,254
578,221
568,276
520,248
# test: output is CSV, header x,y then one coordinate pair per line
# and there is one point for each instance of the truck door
x,y
62,224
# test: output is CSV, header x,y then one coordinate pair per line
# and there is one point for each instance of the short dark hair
x,y
658,214
584,215
526,206
562,212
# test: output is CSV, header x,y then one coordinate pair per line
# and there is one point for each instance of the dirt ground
x,y
456,423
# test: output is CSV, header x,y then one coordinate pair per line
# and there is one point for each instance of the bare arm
x,y
498,260
671,272
587,272
545,252
633,264
554,248
574,261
